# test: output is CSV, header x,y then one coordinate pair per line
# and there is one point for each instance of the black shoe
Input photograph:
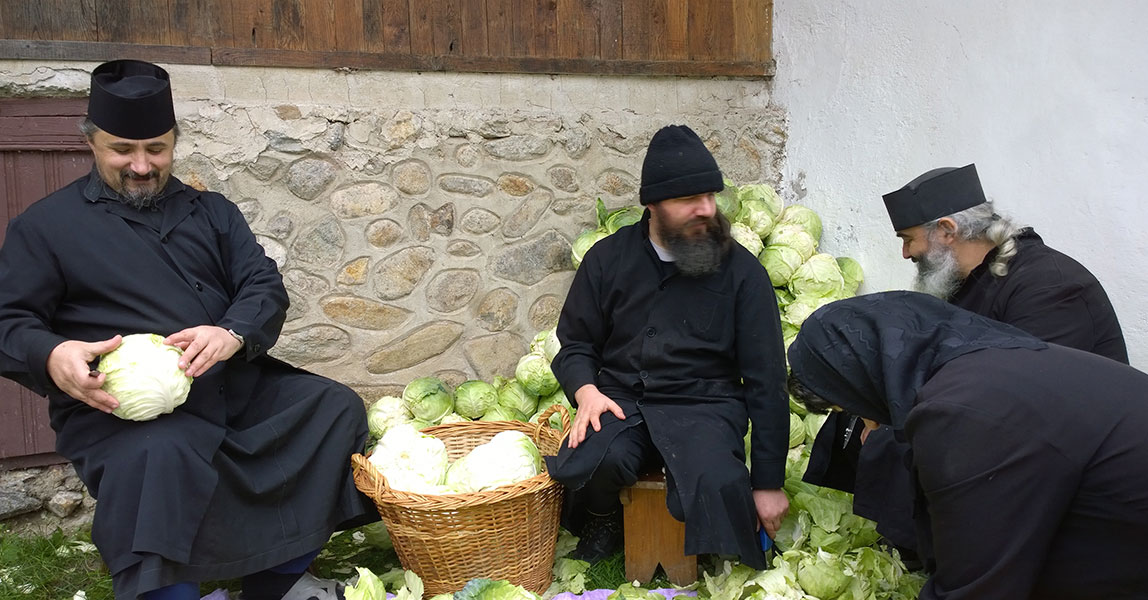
x,y
601,537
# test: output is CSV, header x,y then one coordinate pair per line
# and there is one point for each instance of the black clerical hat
x,y
131,99
935,194
678,164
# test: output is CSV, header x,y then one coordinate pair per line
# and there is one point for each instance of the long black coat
x,y
1044,293
1028,457
253,469
692,358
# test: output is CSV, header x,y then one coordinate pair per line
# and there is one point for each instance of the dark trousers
x,y
629,455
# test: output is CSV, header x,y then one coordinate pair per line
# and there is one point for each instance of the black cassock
x,y
1045,293
1028,458
692,358
253,470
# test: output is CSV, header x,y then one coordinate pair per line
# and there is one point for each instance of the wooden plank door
x,y
41,150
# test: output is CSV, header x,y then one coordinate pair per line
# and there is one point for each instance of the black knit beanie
x,y
678,164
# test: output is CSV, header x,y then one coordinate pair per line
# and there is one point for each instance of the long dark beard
x,y
938,272
700,256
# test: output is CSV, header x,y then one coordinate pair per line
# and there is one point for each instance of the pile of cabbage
x,y
428,401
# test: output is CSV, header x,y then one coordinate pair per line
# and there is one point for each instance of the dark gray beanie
x,y
678,164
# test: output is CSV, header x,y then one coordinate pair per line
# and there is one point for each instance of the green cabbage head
x,y
533,371
755,214
428,399
746,237
796,431
503,413
803,217
795,237
584,242
509,457
761,192
546,343
780,262
727,201
143,374
473,398
622,217
384,413
852,273
818,277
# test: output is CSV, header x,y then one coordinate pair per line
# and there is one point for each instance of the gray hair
x,y
89,129
981,222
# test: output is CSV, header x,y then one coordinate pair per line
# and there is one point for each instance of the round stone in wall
x,y
531,261
419,345
463,248
577,143
307,284
576,205
249,208
494,355
617,183
452,377
418,222
564,178
321,245
515,184
308,177
317,343
544,312
452,289
264,167
363,199
397,275
364,313
468,185
412,177
518,147
527,215
498,309
466,155
383,233
354,272
281,225
478,221
296,306
274,249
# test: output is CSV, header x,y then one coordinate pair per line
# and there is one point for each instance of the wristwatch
x,y
238,337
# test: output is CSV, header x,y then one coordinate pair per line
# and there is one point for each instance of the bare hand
x,y
591,405
202,346
772,505
68,368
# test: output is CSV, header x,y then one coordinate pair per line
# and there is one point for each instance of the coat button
x,y
221,390
662,287
643,374
650,332
198,286
163,240
257,348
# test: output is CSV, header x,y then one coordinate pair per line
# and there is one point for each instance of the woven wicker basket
x,y
506,533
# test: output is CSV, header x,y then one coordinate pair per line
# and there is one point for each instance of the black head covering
x,y
871,354
131,99
678,164
935,194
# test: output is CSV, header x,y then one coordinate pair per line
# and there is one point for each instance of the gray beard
x,y
938,272
695,257
139,200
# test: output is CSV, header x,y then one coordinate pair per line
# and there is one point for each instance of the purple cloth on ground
x,y
603,594
218,594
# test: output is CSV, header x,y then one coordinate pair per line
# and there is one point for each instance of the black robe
x,y
692,358
1029,457
1044,293
253,470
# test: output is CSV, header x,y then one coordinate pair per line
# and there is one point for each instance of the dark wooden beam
x,y
101,51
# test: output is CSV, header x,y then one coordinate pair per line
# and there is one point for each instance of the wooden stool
x,y
653,536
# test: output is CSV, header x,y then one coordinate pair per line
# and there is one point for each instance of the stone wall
x,y
422,222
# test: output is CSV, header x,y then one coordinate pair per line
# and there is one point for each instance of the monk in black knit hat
x,y
671,346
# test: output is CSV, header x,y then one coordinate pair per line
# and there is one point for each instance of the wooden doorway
x,y
41,150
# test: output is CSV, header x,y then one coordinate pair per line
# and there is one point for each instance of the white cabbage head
x,y
507,458
411,461
143,374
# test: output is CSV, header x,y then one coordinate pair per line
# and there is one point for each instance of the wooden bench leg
x,y
654,537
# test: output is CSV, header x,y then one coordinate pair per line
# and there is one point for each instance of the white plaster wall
x,y
1049,99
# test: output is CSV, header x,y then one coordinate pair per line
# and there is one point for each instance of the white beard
x,y
938,272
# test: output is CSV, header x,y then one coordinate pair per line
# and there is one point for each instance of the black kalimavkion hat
x,y
935,194
131,99
678,164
